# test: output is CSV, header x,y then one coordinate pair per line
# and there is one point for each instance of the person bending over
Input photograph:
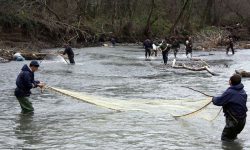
x,y
24,83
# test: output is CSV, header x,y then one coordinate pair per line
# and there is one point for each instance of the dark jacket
x,y
148,44
176,44
24,82
68,50
230,42
233,101
165,47
189,45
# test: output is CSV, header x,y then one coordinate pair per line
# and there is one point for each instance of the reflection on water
x,y
26,130
236,145
113,74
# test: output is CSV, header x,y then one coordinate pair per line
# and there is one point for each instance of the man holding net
x,y
25,82
233,102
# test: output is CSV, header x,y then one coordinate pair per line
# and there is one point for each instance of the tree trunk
x,y
147,31
206,17
179,17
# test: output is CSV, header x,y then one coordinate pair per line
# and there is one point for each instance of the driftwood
x,y
33,56
7,55
198,59
2,60
183,66
243,73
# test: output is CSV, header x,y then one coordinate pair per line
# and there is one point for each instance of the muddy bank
x,y
6,55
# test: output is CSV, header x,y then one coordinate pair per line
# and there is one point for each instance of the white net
x,y
173,107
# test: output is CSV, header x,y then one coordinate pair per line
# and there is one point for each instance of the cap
x,y
34,63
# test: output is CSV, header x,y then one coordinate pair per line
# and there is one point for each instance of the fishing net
x,y
54,58
176,108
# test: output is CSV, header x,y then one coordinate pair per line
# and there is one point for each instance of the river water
x,y
121,73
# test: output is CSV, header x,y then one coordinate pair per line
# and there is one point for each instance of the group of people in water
x,y
152,48
165,46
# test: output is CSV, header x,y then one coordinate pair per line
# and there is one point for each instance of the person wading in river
x,y
148,45
68,50
189,47
230,44
165,47
233,101
175,47
25,82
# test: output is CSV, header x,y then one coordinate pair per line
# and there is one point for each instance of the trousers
x,y
232,128
25,104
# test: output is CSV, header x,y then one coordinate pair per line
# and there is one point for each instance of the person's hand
x,y
41,85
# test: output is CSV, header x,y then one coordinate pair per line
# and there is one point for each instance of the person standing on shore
x,y
233,102
25,82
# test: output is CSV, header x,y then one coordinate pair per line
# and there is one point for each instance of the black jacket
x,y
24,82
176,44
148,44
68,50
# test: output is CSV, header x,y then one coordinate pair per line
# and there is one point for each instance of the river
x,y
122,74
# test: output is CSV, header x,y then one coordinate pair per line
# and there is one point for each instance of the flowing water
x,y
150,91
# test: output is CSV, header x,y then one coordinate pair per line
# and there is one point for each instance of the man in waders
x,y
189,47
175,47
165,47
233,102
148,45
68,50
25,82
230,44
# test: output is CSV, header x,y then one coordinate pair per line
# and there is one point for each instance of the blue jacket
x,y
233,101
24,82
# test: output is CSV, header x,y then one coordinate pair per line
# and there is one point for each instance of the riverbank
x,y
6,54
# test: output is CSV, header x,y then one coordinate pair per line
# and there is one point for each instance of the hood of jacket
x,y
26,68
237,87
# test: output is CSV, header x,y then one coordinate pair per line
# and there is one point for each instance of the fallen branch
x,y
243,73
183,66
199,59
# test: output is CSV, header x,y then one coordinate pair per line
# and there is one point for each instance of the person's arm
x,y
221,100
27,81
36,83
64,52
162,48
151,45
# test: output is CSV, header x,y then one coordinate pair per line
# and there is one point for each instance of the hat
x,y
34,63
